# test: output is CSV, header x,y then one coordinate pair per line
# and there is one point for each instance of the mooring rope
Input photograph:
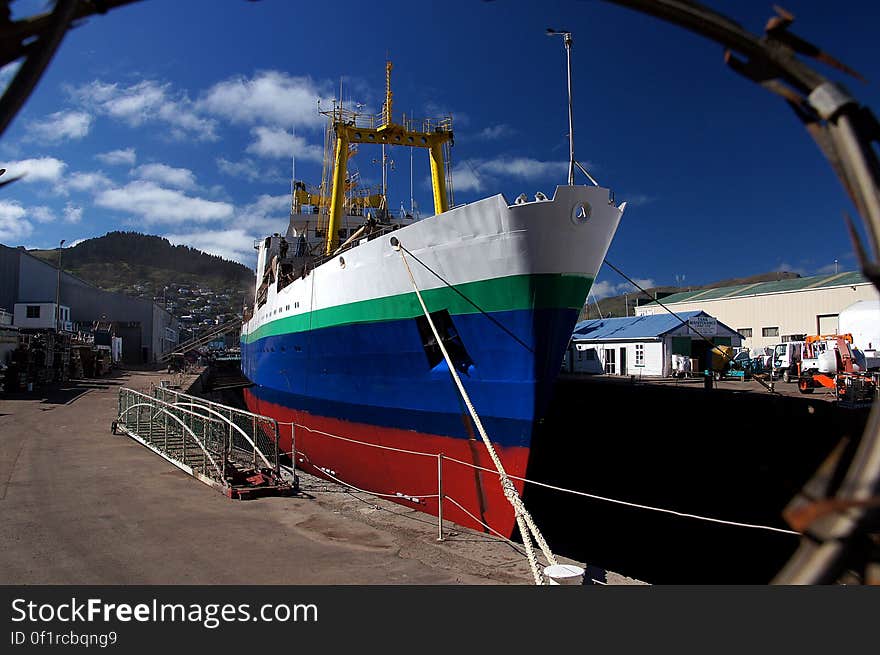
x,y
527,526
616,501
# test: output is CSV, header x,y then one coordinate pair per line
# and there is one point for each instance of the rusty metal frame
x,y
36,38
846,133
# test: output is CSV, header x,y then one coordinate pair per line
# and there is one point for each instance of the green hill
x,y
192,282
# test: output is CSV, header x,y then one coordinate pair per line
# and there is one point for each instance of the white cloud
x,y
269,97
524,168
60,126
247,169
466,178
41,169
13,225
144,102
123,156
94,181
605,289
495,132
480,174
266,215
72,213
181,178
42,214
275,142
156,204
235,244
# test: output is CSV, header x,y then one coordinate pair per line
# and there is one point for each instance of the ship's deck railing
x,y
383,230
375,121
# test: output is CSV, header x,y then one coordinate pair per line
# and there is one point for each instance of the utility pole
x,y
58,290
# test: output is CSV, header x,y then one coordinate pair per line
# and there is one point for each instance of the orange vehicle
x,y
830,361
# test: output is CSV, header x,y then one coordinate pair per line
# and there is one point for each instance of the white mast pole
x,y
567,42
566,36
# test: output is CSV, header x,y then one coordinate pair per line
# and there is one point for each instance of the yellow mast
x,y
351,127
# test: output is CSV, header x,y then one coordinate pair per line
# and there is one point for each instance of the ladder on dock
x,y
229,449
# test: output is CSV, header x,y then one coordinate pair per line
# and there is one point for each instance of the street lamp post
x,y
566,36
58,290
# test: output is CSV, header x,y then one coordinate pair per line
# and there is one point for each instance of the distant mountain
x,y
193,283
623,305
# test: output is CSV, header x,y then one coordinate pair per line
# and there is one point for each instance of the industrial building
x,y
28,288
768,313
644,345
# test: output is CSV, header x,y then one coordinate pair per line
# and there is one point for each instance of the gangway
x,y
202,339
229,449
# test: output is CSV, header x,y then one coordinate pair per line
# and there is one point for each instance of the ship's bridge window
x,y
450,337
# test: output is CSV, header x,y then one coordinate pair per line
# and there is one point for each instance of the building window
x,y
745,333
640,354
770,332
33,311
609,361
827,323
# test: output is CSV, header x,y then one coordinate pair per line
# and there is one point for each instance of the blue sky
x,y
180,119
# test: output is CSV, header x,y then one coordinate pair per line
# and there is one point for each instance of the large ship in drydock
x,y
340,351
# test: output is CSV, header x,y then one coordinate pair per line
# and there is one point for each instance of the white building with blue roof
x,y
644,345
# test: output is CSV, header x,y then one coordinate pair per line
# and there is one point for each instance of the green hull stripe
x,y
517,292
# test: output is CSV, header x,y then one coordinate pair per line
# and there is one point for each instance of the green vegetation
x,y
195,285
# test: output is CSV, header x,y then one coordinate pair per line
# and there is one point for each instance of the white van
x,y
786,357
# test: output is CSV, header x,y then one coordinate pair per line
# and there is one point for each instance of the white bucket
x,y
564,574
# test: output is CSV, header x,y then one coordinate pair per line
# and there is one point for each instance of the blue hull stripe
x,y
379,374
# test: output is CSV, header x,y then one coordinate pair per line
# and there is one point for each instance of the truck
x,y
787,359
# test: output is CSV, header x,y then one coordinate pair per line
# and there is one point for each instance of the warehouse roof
x,y
634,327
845,278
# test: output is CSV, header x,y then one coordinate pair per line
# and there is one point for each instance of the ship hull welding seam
x,y
346,350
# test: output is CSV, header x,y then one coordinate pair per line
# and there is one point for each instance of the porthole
x,y
341,262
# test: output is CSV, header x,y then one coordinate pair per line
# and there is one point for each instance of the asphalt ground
x,y
79,505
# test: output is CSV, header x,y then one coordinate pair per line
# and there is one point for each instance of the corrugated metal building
x,y
767,313
644,345
146,329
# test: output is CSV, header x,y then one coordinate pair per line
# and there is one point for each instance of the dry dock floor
x,y
79,505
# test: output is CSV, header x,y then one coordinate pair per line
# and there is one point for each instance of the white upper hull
x,y
480,241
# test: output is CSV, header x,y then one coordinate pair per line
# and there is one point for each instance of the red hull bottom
x,y
390,472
